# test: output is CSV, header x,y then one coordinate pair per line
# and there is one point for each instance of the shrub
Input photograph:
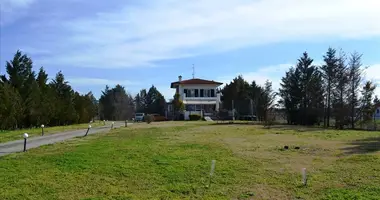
x,y
269,119
149,119
159,118
194,117
181,117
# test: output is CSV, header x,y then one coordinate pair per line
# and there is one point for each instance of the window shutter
x,y
196,93
202,92
212,93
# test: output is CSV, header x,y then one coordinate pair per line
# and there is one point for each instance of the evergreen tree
x,y
290,94
47,98
155,101
367,106
65,113
268,96
339,101
116,104
27,100
21,78
139,108
106,104
354,78
310,81
238,93
11,108
329,71
143,103
256,95
302,93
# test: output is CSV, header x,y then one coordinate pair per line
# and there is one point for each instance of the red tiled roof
x,y
195,81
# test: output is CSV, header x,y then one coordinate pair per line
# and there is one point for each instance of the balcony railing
x,y
184,97
200,98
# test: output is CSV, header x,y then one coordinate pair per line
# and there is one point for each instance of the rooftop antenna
x,y
193,71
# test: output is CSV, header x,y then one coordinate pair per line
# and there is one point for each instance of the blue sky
x,y
138,43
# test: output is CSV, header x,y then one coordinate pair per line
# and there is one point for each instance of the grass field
x,y
171,160
6,136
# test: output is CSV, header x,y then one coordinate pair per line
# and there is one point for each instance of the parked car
x,y
139,117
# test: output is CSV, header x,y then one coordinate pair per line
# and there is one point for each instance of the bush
x,y
181,117
194,117
149,119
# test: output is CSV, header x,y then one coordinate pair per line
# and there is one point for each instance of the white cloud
x,y
12,4
12,9
138,36
272,73
99,81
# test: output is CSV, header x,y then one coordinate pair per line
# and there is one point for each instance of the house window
x,y
191,93
378,111
190,107
210,93
185,92
202,92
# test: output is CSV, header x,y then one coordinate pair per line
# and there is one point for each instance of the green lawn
x,y
171,160
6,136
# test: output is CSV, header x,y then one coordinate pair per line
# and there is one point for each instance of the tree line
x,y
310,94
118,104
335,91
248,98
28,99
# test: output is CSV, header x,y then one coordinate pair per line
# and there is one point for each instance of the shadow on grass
x,y
363,146
281,127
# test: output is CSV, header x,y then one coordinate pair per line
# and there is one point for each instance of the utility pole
x,y
193,71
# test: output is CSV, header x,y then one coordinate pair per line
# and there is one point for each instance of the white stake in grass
x,y
212,171
304,176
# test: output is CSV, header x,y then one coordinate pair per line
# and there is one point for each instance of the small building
x,y
377,112
198,95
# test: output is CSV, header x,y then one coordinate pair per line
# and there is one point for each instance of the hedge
x,y
194,117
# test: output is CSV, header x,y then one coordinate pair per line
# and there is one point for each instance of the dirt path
x,y
18,145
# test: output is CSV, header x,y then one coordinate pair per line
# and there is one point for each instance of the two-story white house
x,y
198,95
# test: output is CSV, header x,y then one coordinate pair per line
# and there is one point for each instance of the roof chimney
x,y
179,78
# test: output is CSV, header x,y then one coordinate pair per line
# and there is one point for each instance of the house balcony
x,y
200,100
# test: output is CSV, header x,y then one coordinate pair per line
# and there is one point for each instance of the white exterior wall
x,y
377,113
196,100
192,86
199,87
